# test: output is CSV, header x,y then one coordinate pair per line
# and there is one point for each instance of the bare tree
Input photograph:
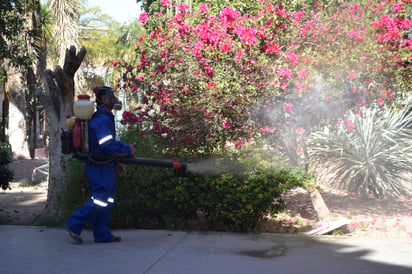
x,y
58,102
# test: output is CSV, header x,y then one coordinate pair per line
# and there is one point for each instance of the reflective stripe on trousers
x,y
102,203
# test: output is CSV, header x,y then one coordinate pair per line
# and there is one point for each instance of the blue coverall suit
x,y
101,177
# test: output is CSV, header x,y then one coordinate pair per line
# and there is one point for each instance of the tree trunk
x,y
322,210
58,102
17,129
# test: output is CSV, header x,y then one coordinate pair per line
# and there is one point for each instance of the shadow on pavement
x,y
50,250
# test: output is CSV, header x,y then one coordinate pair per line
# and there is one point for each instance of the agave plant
x,y
371,156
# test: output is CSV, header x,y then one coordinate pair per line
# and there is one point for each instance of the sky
x,y
120,10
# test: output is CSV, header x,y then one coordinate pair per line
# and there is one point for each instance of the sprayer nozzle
x,y
179,166
176,165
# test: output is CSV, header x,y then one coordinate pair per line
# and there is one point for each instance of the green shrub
x,y
139,201
234,199
6,174
76,188
154,197
240,202
5,153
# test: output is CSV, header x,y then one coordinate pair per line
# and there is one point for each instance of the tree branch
x,y
53,91
73,61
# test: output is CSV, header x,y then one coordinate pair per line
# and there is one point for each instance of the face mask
x,y
116,104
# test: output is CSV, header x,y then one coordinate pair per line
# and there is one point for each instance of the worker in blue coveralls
x,y
101,177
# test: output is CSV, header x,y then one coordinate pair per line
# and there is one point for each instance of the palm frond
x,y
373,158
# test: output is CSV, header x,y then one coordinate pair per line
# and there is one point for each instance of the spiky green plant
x,y
374,156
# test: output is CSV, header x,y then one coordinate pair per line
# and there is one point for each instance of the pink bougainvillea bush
x,y
206,82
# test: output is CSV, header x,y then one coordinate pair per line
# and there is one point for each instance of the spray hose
x,y
104,159
79,134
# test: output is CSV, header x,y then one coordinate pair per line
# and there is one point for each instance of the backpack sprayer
x,y
75,141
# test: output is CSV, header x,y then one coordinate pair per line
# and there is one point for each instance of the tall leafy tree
x,y
10,22
19,63
10,30
107,41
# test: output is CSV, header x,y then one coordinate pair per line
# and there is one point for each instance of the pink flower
x,y
288,107
380,101
197,49
355,34
228,15
160,68
271,47
267,129
285,72
283,85
300,86
239,53
298,15
292,57
189,139
165,3
352,75
239,143
139,78
299,150
203,8
354,7
225,47
302,73
397,7
388,93
247,35
144,16
183,7
301,130
349,125
226,125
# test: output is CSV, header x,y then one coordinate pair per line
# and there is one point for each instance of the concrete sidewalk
x,y
50,250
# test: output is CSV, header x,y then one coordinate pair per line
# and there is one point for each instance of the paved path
x,y
50,250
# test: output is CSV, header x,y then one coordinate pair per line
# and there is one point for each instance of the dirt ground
x,y
23,203
368,216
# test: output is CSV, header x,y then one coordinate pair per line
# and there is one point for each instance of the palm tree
x,y
66,30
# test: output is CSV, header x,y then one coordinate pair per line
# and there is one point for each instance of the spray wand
x,y
128,160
